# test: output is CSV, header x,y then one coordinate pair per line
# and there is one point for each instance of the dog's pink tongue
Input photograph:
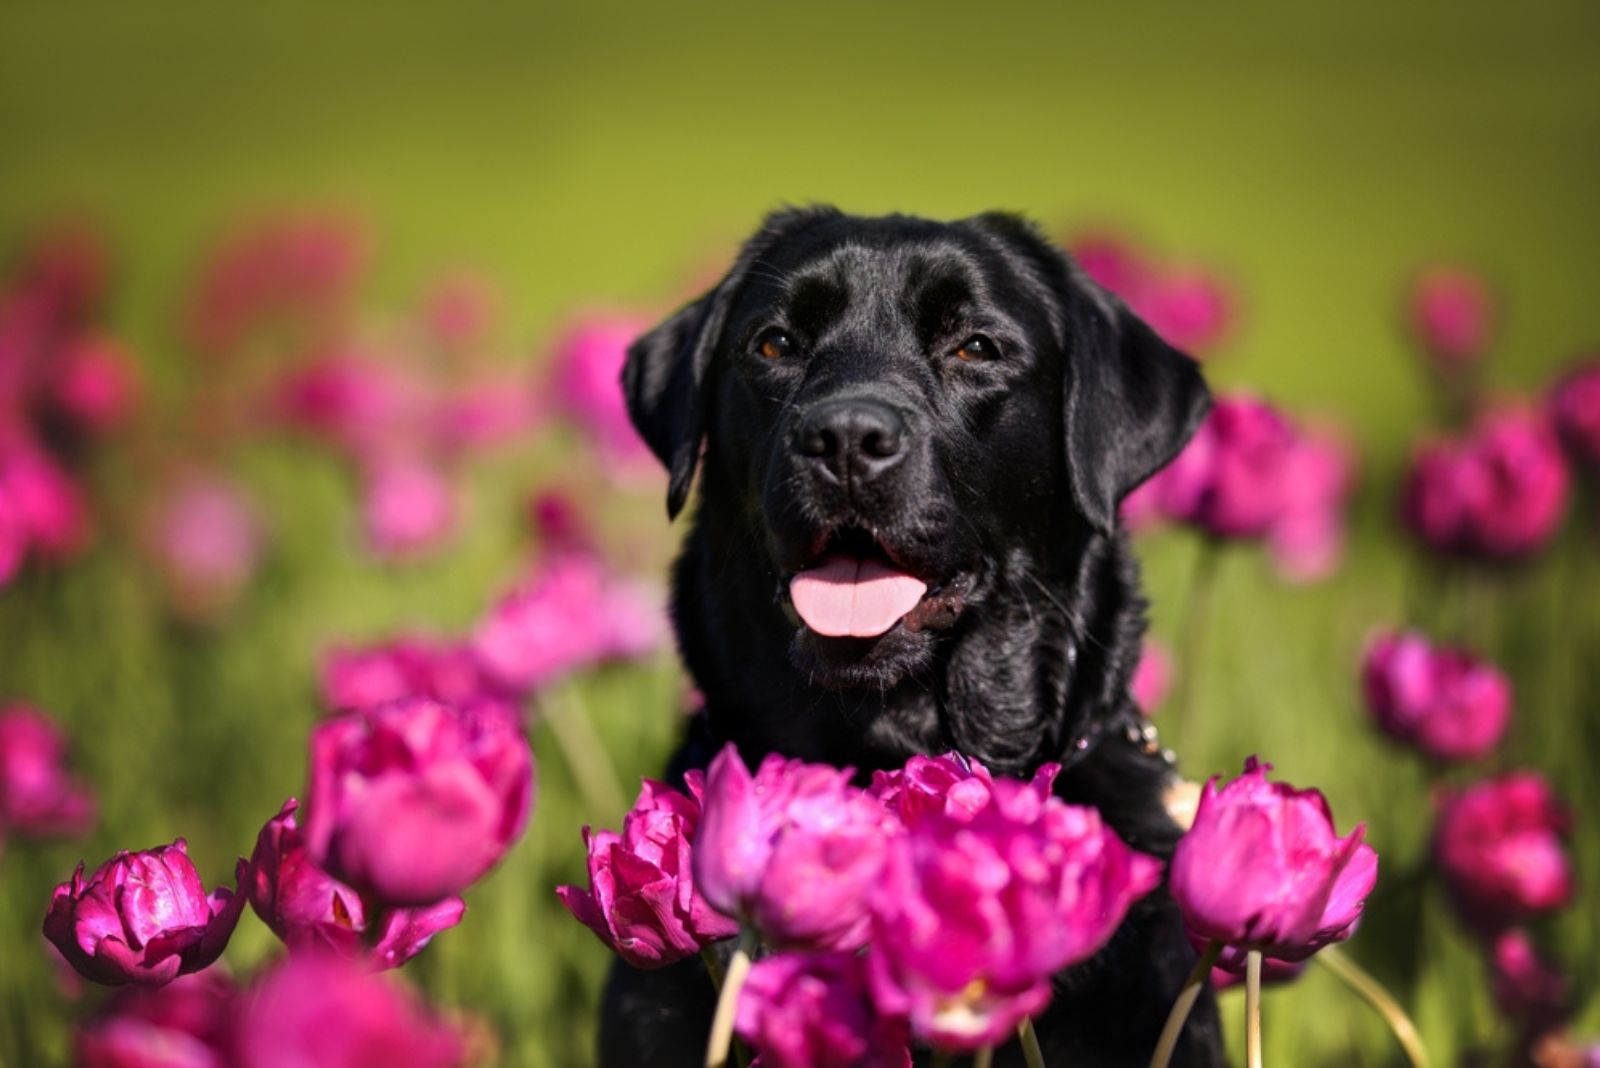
x,y
846,597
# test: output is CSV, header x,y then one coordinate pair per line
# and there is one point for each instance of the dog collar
x,y
1129,725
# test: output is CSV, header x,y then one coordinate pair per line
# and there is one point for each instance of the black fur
x,y
1001,493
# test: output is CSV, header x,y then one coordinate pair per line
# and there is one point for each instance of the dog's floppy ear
x,y
1132,401
666,379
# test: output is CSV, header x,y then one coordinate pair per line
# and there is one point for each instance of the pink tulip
x,y
1452,315
952,784
975,912
186,1024
141,918
799,1010
414,801
44,497
1189,307
1114,263
37,796
206,537
1262,869
1499,844
1152,678
1307,538
307,907
570,615
1441,700
795,850
1575,410
587,368
356,678
641,899
485,413
360,402
96,384
1526,988
408,508
322,1011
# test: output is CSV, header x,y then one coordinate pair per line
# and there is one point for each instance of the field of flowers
x,y
315,484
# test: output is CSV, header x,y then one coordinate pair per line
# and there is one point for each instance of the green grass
x,y
582,156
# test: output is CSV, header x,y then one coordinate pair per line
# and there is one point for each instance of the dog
x,y
911,440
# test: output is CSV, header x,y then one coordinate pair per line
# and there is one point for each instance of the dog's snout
x,y
854,439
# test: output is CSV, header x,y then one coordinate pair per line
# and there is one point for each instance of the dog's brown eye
x,y
977,348
774,344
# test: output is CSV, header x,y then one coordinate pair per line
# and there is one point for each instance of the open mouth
x,y
856,589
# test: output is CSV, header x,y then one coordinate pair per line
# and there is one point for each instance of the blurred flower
x,y
485,412
37,796
799,1010
321,1011
587,372
1575,410
952,784
1153,676
641,899
459,311
408,508
1452,315
364,678
1498,493
206,538
186,1024
1232,478
558,523
141,918
97,385
1307,538
1262,869
307,907
1190,306
794,849
1527,990
415,801
356,400
13,538
45,498
1441,700
568,616
975,912
1499,845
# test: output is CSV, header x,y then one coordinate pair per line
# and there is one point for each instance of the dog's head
x,y
897,410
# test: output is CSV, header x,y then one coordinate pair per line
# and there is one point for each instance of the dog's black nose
x,y
853,438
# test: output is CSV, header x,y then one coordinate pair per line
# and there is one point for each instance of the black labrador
x,y
912,438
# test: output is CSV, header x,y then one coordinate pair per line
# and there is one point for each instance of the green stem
x,y
585,756
1252,1009
1191,642
713,963
1187,996
728,1001
1031,1053
984,1058
1373,993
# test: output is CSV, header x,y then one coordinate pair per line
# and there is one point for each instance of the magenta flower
x,y
587,367
307,907
357,679
1498,493
37,796
1262,869
1152,678
414,801
1445,702
798,1010
1231,480
459,310
641,899
559,524
1575,410
13,538
360,402
1526,988
186,1024
485,412
1451,313
206,538
952,784
408,508
96,384
795,850
1307,538
1188,306
975,913
44,498
1499,844
141,918
568,616
322,1011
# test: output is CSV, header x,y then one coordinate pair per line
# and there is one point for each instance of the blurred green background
x,y
584,154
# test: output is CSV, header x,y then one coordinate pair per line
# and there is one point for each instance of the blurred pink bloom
x,y
408,508
186,1024
13,538
1262,869
1447,703
1498,493
570,615
1575,410
357,401
975,912
415,801
799,1010
1452,315
559,524
1526,988
308,908
795,849
1189,307
37,796
954,785
96,386
641,899
1307,538
459,311
365,678
1114,263
43,495
322,1011
206,537
1153,677
1499,845
588,387
141,918
486,412
1232,479
66,265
